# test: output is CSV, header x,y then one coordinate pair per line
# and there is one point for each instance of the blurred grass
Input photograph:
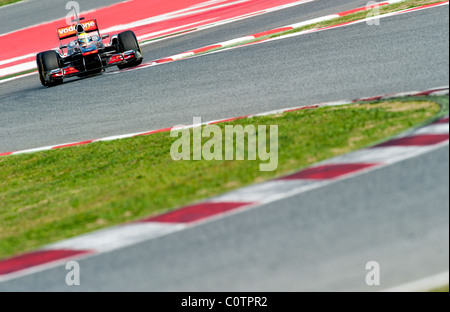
x,y
5,2
18,74
52,195
441,289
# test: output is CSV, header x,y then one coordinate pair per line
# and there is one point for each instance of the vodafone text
x,y
71,29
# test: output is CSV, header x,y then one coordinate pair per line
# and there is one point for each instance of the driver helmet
x,y
84,38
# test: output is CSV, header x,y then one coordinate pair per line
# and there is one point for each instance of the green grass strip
x,y
19,74
6,2
169,35
53,195
441,289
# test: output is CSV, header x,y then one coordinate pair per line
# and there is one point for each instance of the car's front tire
x,y
127,41
46,62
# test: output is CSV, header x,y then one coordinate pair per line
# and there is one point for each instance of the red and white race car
x,y
87,54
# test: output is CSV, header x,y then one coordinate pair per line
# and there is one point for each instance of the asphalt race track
x,y
315,241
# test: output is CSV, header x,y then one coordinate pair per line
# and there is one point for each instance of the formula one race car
x,y
87,55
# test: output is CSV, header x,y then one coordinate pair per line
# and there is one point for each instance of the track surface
x,y
33,116
397,215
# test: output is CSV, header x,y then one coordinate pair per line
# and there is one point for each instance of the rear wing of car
x,y
71,31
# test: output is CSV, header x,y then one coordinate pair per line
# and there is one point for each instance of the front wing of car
x,y
108,59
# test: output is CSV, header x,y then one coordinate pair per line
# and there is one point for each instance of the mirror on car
x,y
105,36
63,46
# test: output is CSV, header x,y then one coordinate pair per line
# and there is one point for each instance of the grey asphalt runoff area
x,y
320,240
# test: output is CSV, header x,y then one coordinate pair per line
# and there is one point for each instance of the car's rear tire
x,y
48,61
127,41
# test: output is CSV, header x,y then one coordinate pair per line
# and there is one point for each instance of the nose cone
x,y
89,48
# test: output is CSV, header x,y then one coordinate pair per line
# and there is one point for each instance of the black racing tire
x,y
127,41
47,61
40,69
